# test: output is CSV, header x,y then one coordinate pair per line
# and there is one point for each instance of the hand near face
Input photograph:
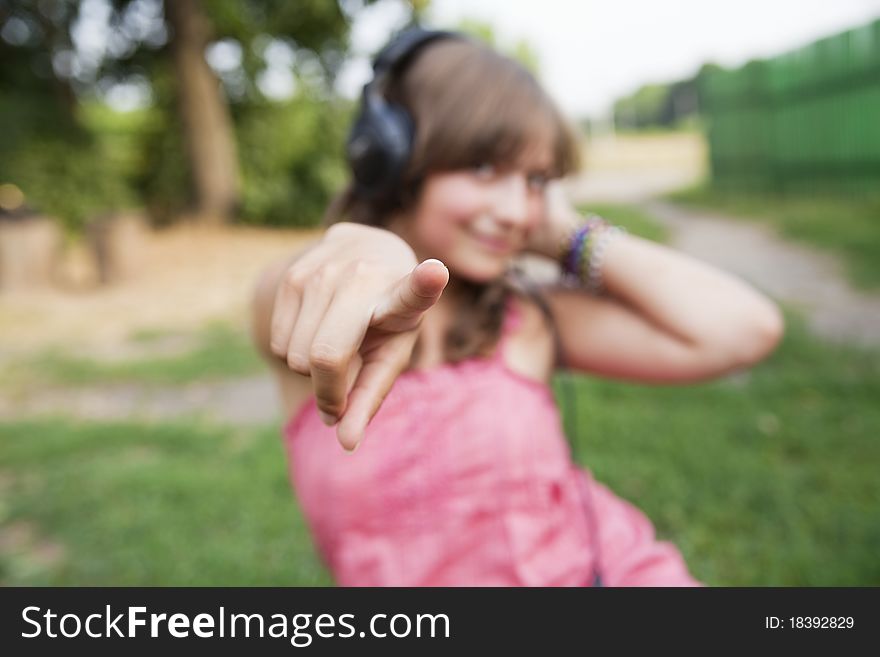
x,y
558,220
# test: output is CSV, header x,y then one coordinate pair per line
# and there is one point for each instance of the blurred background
x,y
155,156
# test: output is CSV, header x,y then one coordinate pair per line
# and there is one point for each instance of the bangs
x,y
473,106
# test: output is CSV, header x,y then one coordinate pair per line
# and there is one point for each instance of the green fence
x,y
807,120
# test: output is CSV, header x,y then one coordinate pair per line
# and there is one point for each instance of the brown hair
x,y
471,106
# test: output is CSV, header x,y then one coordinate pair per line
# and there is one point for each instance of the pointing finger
x,y
402,308
377,375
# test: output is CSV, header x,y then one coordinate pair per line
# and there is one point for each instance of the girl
x,y
414,359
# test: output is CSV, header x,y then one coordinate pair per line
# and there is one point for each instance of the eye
x,y
537,181
484,171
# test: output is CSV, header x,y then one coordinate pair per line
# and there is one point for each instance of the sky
x,y
592,52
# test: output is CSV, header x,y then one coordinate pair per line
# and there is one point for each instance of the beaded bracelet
x,y
582,251
573,244
597,251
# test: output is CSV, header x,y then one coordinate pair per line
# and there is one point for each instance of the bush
x,y
290,153
291,156
61,168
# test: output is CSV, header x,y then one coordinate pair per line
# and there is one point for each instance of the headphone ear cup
x,y
379,146
380,142
399,133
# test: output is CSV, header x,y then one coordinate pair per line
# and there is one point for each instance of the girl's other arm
x,y
668,317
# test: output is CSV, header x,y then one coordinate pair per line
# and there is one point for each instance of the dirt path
x,y
247,401
809,280
190,276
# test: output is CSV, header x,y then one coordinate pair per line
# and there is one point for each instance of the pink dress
x,y
464,478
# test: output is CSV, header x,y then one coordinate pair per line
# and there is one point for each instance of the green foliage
x,y
69,181
63,170
641,108
163,181
290,154
479,29
652,106
313,22
77,164
291,159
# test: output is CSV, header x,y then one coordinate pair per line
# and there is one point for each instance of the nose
x,y
511,198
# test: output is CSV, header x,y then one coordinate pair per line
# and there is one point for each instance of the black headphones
x,y
381,137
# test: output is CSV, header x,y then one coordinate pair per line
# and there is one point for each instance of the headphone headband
x,y
401,48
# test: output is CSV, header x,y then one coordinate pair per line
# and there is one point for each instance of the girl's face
x,y
476,220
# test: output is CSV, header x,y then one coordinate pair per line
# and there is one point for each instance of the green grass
x,y
138,504
630,217
765,479
221,351
847,227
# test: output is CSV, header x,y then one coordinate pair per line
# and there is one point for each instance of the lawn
x,y
217,351
632,218
766,477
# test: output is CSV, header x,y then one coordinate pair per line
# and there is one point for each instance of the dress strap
x,y
512,315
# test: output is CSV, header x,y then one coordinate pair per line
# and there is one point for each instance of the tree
x,y
162,45
205,116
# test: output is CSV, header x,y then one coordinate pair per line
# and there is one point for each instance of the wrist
x,y
581,252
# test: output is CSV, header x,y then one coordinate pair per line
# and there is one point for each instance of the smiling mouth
x,y
493,244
